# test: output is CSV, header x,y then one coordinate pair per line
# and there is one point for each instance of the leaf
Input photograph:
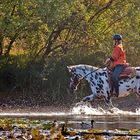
x,y
35,133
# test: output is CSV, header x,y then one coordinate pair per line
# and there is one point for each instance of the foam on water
x,y
138,111
89,110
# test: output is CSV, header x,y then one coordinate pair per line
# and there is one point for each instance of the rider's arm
x,y
116,54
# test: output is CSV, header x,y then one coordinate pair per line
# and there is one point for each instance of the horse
x,y
98,79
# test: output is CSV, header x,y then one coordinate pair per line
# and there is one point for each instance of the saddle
x,y
128,72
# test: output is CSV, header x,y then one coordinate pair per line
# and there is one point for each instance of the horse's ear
x,y
69,68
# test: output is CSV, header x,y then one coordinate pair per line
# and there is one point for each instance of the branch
x,y
113,22
101,10
10,44
56,32
12,13
1,47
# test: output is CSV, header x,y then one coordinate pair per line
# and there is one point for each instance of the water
x,y
104,119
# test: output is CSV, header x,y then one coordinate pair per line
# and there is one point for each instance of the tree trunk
x,y
1,48
56,32
10,44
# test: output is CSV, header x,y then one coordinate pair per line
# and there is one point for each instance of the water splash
x,y
138,111
87,109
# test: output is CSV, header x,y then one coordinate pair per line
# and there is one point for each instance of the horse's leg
x,y
88,98
92,96
138,89
138,94
108,102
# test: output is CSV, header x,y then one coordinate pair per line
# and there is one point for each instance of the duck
x,y
87,125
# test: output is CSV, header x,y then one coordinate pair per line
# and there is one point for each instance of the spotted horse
x,y
98,79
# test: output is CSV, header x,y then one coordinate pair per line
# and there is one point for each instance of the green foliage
x,y
40,38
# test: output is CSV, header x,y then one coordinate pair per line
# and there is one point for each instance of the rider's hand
x,y
108,60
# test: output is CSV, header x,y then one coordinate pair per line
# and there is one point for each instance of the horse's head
x,y
75,78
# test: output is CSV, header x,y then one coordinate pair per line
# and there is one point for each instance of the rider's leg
x,y
115,77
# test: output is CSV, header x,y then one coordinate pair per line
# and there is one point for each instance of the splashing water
x,y
87,109
138,111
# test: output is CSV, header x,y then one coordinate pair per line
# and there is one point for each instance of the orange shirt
x,y
118,55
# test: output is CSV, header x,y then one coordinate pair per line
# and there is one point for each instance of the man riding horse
x,y
118,61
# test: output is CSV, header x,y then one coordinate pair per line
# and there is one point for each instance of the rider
x,y
118,60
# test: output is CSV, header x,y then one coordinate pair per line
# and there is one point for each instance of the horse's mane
x,y
84,66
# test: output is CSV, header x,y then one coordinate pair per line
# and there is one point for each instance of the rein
x,y
89,74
